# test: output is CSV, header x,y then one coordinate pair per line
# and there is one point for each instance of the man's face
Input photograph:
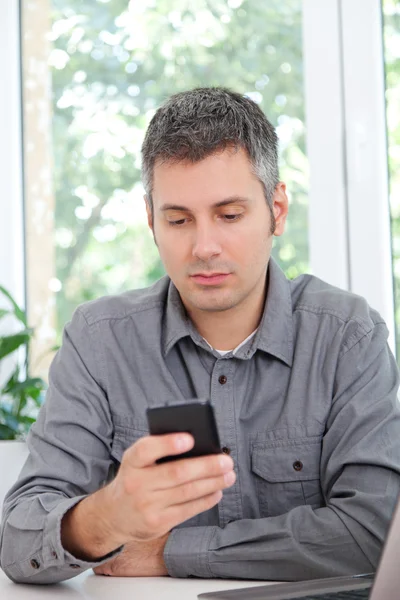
x,y
212,226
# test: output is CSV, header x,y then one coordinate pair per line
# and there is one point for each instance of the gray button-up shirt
x,y
307,408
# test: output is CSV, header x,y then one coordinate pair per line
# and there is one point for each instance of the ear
x,y
280,208
149,213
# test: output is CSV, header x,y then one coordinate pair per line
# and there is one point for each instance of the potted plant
x,y
21,395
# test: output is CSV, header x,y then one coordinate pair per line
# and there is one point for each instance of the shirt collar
x,y
176,324
274,335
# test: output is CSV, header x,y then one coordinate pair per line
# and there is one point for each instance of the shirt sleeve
x,y
56,476
360,480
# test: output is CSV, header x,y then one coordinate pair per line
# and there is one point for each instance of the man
x,y
299,373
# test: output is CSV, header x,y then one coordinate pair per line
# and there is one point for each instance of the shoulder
x,y
147,300
313,296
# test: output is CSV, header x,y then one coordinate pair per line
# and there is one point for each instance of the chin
x,y
212,304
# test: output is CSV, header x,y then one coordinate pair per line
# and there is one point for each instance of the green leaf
x,y
29,385
6,433
4,312
26,420
19,313
10,343
20,391
14,378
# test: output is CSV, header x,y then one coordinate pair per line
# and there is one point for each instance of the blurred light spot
x,y
287,253
262,82
175,18
97,88
97,54
286,67
109,38
122,56
130,111
64,237
67,99
76,35
108,233
133,90
55,285
86,46
283,119
83,213
58,59
281,100
80,76
89,199
131,67
255,96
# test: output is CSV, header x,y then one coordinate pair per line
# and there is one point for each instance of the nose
x,y
206,244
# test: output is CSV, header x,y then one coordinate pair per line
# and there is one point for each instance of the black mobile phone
x,y
194,417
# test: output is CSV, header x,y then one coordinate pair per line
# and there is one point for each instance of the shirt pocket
x,y
287,475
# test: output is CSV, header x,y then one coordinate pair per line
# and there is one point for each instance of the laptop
x,y
385,585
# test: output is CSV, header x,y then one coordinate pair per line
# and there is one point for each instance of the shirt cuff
x,y
186,552
52,553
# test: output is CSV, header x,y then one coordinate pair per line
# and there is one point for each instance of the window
x,y
391,9
110,65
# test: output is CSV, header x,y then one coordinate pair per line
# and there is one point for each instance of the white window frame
x,y
350,237
12,260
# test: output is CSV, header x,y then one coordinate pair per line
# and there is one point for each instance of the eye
x,y
232,218
177,223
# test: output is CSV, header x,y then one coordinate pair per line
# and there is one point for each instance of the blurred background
x,y
81,80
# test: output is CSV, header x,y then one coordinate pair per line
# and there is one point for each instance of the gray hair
x,y
195,124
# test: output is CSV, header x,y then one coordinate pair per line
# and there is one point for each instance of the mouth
x,y
210,278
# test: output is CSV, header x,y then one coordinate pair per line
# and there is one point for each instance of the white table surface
x,y
95,587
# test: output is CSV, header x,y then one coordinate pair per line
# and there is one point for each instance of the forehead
x,y
220,175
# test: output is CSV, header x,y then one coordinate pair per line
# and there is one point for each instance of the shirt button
x,y
35,564
298,465
73,566
226,450
222,379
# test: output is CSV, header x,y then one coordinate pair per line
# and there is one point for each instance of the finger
x,y
179,513
147,450
179,472
197,489
100,570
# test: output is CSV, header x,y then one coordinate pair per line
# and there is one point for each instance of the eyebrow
x,y
225,202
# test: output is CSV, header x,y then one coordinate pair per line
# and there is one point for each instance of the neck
x,y
224,330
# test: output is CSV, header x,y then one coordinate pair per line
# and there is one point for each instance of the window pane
x,y
391,15
111,65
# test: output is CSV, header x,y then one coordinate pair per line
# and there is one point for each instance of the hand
x,y
138,559
146,500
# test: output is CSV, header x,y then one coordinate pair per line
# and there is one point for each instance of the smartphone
x,y
194,417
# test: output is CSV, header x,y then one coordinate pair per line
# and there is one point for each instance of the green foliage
x,y
113,63
21,396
